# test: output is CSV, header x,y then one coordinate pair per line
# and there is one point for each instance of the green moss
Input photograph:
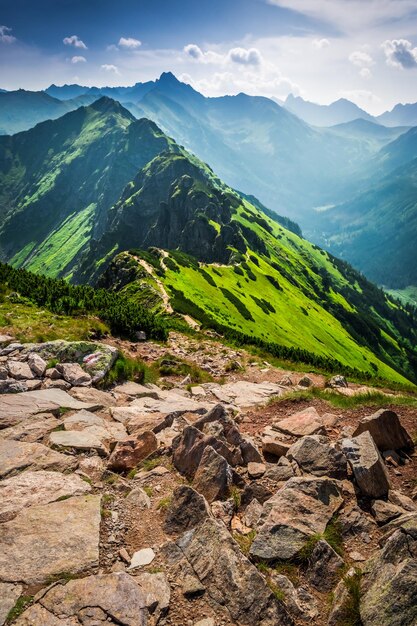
x,y
18,608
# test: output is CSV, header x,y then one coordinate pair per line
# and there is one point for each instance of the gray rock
x,y
305,381
74,374
337,381
187,509
112,599
80,440
156,592
299,602
32,429
213,478
37,365
19,370
47,540
389,589
35,488
340,612
252,514
306,422
367,465
230,579
134,389
52,373
256,470
273,444
300,509
192,587
16,456
325,567
315,455
385,511
280,472
386,431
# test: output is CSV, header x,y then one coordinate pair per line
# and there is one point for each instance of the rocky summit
x,y
241,501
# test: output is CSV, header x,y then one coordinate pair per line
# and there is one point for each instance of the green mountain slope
x,y
95,183
58,179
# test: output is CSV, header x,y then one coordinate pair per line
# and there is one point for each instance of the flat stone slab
x,y
35,488
82,440
48,540
244,393
112,599
90,395
306,422
16,456
32,429
172,402
134,389
141,558
15,407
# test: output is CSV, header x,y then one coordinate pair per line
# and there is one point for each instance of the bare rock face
x,y
386,430
112,599
315,455
156,592
385,511
301,508
9,594
214,476
188,508
367,465
67,540
389,589
16,456
34,488
131,451
229,577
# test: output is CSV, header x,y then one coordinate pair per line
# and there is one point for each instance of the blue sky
x,y
365,50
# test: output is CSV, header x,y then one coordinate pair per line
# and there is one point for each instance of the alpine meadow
x,y
208,313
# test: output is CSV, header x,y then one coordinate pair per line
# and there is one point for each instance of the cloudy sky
x,y
364,50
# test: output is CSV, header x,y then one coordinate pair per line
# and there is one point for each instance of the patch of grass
x,y
304,555
149,464
148,490
350,611
130,475
172,366
105,512
277,591
61,576
372,398
236,497
288,569
18,608
111,479
52,363
233,366
333,535
263,567
245,541
124,368
61,498
164,503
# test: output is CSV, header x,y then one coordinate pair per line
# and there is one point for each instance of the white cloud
x,y
78,60
4,36
361,59
365,72
112,48
361,97
110,68
194,51
319,44
351,14
240,56
245,56
75,41
130,43
400,53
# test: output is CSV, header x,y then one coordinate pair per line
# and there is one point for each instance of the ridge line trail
x,y
165,297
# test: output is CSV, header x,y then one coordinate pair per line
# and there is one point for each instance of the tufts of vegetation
x,y
124,318
371,398
350,611
245,541
18,608
172,366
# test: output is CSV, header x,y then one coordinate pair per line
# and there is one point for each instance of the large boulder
x,y
325,566
214,476
386,430
315,455
187,509
389,589
367,465
112,599
129,452
230,579
48,540
300,509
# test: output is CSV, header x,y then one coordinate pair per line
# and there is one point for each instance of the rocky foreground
x,y
196,506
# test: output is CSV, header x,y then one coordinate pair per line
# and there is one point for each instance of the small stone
x,y
385,511
19,370
74,374
192,587
131,451
141,558
256,470
36,364
356,556
305,381
124,555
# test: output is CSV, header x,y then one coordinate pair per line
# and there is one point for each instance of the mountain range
x,y
100,197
